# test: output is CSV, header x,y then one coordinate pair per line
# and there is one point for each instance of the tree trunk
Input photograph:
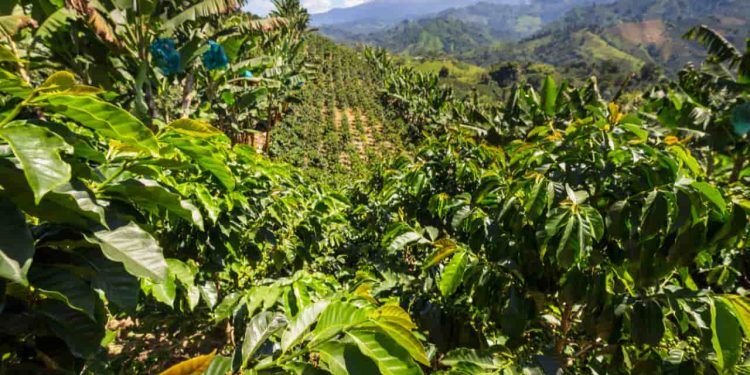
x,y
267,145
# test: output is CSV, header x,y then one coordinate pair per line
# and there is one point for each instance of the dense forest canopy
x,y
190,189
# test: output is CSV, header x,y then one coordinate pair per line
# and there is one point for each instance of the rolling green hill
x,y
460,29
432,36
463,77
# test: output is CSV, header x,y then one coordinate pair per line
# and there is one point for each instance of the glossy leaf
x,y
301,324
393,314
741,308
390,357
13,85
403,240
16,243
259,329
80,333
453,274
207,156
219,366
712,194
194,128
336,317
134,248
106,119
152,196
445,248
726,334
345,359
481,361
62,284
406,339
38,150
549,96
118,286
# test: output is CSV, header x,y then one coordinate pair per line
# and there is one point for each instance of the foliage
x,y
339,127
168,60
609,238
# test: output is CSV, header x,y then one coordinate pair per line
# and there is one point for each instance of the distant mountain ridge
x,y
477,22
377,15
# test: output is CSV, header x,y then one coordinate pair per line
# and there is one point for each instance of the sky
x,y
262,7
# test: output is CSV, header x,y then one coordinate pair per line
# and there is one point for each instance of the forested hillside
x,y
614,40
628,33
189,189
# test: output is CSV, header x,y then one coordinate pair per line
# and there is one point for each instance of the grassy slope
x,y
461,71
600,50
462,76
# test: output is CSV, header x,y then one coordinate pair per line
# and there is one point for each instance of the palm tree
x,y
721,51
725,55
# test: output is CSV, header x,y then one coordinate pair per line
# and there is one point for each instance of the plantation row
x,y
558,231
338,126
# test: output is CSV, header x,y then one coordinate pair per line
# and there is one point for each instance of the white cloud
x,y
262,7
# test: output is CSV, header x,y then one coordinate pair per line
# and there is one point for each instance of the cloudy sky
x,y
314,6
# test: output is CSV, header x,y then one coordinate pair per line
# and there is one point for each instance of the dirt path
x,y
356,135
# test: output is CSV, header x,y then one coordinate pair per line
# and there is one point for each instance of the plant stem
x,y
739,163
17,109
111,178
565,319
12,115
21,69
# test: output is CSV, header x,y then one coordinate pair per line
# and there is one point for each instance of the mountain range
x,y
378,15
390,11
622,34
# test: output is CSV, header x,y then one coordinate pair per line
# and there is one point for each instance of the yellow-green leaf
x,y
194,128
66,82
194,366
406,339
38,150
106,119
445,247
741,307
453,274
389,356
393,314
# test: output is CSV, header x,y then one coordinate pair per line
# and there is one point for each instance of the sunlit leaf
x,y
39,151
193,366
133,247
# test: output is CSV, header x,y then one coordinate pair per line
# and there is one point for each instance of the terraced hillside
x,y
339,126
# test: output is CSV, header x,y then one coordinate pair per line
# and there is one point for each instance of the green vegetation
x,y
153,221
433,37
463,77
338,125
